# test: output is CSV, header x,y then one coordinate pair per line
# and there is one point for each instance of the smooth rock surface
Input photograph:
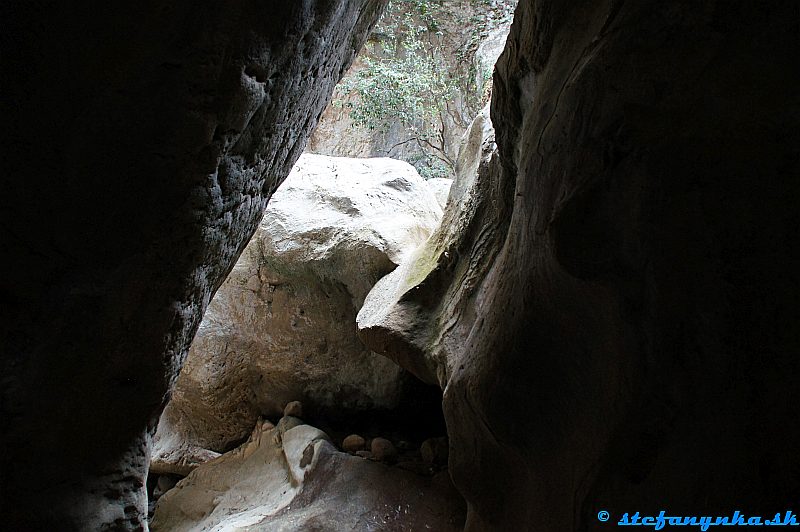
x,y
441,189
402,316
140,144
296,480
353,443
618,329
383,450
282,326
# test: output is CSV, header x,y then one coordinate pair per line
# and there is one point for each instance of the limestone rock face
x,y
624,334
141,142
404,315
295,479
282,326
488,53
441,188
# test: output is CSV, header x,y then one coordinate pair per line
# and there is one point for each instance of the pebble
x,y
294,409
354,443
383,450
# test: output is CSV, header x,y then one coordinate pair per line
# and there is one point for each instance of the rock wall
x,y
430,300
141,143
282,326
630,342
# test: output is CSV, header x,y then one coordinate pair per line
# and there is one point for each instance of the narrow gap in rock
x,y
282,404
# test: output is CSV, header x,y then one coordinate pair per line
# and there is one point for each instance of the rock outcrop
x,y
282,326
409,314
141,142
627,339
290,478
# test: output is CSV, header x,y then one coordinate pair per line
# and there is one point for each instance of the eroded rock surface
x,y
289,479
408,314
626,339
141,142
282,326
631,346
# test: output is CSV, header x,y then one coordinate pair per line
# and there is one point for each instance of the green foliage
x,y
430,167
409,88
407,79
408,82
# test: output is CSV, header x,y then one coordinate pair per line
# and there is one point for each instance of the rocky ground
x,y
292,476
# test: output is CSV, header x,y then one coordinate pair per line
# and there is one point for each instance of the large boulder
x,y
282,326
141,142
623,337
290,477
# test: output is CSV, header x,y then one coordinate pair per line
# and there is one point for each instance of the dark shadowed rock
x,y
353,443
617,327
293,408
434,451
383,450
141,142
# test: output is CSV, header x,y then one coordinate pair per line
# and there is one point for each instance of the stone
x,y
301,482
353,443
383,450
394,321
181,459
129,193
264,424
609,306
287,423
441,189
615,326
435,451
365,454
293,408
333,228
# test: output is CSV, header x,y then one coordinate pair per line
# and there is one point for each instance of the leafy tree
x,y
407,79
407,82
